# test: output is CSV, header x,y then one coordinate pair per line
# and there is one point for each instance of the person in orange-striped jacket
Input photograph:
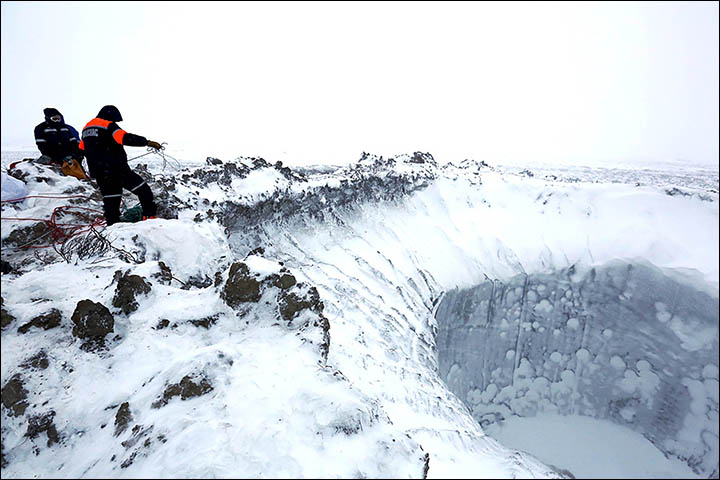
x,y
102,143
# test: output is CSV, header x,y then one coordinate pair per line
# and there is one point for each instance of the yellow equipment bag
x,y
73,168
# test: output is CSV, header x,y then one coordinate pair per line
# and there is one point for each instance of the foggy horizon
x,y
319,83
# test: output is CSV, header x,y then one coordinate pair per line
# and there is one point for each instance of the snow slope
x,y
381,241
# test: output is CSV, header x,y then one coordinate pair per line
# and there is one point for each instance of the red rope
x,y
12,165
62,232
45,196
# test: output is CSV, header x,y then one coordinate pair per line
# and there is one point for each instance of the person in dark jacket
x,y
56,139
102,141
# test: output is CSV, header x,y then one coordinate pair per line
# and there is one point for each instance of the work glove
x,y
154,145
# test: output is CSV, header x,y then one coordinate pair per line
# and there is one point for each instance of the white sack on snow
x,y
12,188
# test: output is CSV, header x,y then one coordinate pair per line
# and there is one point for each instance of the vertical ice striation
x,y
623,342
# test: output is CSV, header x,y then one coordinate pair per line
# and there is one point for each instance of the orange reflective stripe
x,y
118,135
98,122
81,145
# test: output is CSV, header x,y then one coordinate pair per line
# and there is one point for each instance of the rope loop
x,y
161,152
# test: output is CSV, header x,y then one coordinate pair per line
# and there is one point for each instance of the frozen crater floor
x,y
589,448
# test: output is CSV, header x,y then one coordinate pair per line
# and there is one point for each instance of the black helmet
x,y
111,113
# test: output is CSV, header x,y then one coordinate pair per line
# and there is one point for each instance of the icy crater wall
x,y
623,342
382,249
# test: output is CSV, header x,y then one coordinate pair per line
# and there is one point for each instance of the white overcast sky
x,y
322,82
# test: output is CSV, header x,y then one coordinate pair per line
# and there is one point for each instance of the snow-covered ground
x,y
378,243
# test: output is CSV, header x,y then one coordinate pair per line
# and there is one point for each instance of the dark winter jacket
x,y
103,140
57,140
